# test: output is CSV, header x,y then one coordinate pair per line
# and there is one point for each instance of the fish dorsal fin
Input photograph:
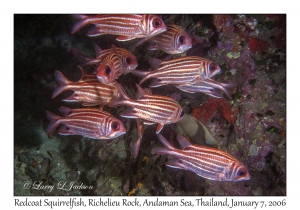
x,y
113,48
183,141
141,92
155,63
97,50
65,111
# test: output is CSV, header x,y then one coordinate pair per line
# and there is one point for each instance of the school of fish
x,y
187,73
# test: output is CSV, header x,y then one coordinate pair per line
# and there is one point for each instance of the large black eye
x,y
107,70
115,126
156,23
213,67
241,173
128,60
181,39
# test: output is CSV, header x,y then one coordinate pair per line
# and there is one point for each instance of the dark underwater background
x,y
250,49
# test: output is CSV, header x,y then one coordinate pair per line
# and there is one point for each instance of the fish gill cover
x,y
250,124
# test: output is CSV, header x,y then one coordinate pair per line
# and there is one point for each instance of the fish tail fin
x,y
53,122
83,20
62,81
79,55
228,87
122,97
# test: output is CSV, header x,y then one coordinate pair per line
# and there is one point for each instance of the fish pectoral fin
x,y
125,38
159,127
175,163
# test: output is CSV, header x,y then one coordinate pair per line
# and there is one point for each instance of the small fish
x,y
128,60
88,122
109,69
151,108
207,162
208,87
127,26
173,41
87,90
179,71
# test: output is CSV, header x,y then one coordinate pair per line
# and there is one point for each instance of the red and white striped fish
x,y
109,69
208,87
173,41
128,60
87,122
87,90
127,26
207,162
150,108
179,71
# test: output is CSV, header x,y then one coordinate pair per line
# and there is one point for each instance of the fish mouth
x,y
102,79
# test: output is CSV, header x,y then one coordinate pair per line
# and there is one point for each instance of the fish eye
x,y
128,60
156,23
115,126
181,39
107,70
213,67
241,173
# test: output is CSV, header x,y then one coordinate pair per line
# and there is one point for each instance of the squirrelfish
x,y
179,71
127,26
173,41
150,108
87,90
88,122
207,162
128,60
